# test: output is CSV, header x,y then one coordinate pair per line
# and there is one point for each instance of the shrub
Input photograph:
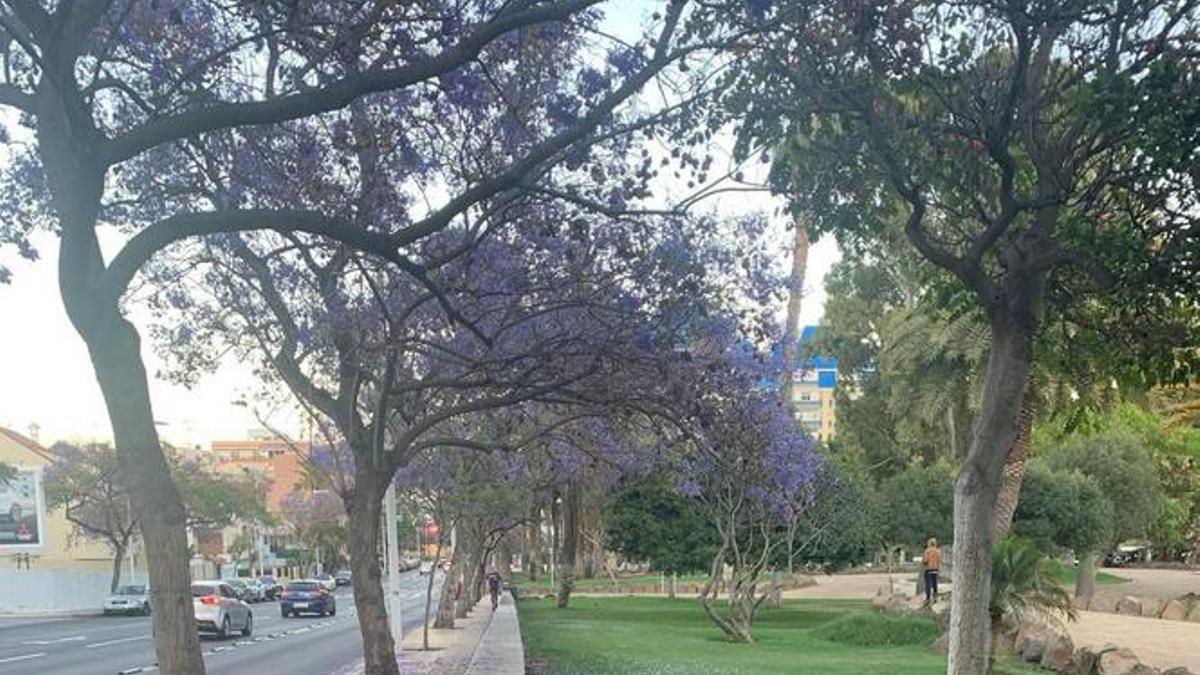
x,y
880,630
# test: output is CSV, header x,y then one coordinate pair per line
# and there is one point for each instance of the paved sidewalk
x,y
501,651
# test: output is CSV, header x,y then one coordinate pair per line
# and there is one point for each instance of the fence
x,y
34,591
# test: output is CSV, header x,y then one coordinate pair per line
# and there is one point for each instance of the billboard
x,y
22,511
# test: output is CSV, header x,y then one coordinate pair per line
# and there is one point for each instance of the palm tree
x,y
1024,586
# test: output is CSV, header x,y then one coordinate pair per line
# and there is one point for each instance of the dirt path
x,y
1162,644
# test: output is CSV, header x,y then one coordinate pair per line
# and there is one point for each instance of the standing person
x,y
495,583
932,562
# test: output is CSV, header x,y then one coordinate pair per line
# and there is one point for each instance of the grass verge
x,y
643,636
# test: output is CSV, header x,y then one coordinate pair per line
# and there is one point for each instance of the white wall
x,y
30,591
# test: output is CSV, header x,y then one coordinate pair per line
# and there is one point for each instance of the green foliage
x,y
215,499
1025,584
1063,510
880,630
843,526
918,503
648,520
1123,467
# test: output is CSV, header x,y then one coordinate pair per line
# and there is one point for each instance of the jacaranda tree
x,y
130,105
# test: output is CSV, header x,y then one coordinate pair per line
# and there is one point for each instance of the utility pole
x,y
392,541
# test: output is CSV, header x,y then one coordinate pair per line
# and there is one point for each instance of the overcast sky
x,y
46,377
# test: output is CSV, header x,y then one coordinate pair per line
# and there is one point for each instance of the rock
x,y
1194,615
1129,606
1059,654
1030,642
891,603
1152,607
1102,603
1123,662
1178,671
1032,647
1174,611
1087,658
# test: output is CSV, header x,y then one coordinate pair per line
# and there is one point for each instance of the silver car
x,y
131,599
218,609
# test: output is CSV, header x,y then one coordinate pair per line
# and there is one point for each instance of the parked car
x,y
342,578
258,592
426,567
409,562
271,586
327,581
307,596
241,589
131,599
218,609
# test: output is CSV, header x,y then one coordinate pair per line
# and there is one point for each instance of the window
x,y
201,590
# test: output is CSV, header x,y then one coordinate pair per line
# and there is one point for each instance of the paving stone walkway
x,y
500,651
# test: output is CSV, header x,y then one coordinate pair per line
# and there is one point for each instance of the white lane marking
x,y
42,643
23,657
117,641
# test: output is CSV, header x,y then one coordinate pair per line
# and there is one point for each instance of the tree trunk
x,y
1014,465
447,600
952,431
734,629
533,548
791,332
975,493
437,554
118,559
1085,579
366,507
114,347
570,546
466,573
776,594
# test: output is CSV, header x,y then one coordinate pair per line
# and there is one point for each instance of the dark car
x,y
342,578
242,589
271,586
306,597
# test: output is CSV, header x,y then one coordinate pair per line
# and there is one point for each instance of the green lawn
x,y
643,636
1066,575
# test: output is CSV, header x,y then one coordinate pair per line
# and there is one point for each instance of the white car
x,y
327,581
131,599
219,611
426,567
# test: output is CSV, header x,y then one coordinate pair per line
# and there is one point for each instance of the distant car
x,y
258,592
271,586
131,599
242,589
218,609
307,597
327,581
409,563
426,567
342,578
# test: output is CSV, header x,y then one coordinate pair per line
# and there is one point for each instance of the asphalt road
x,y
111,645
